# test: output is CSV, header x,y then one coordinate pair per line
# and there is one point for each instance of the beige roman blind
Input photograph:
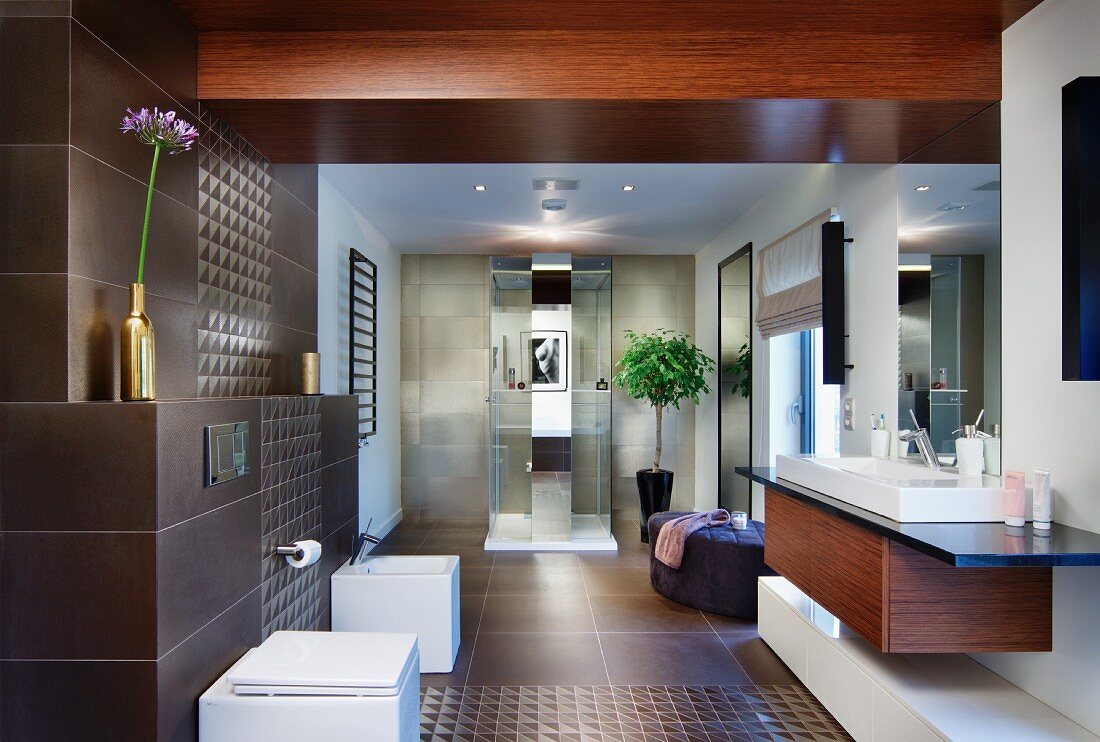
x,y
788,286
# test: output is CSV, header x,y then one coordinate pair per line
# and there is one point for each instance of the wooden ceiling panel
x,y
976,141
387,131
600,80
964,18
643,65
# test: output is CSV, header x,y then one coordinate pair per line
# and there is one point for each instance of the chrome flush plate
x,y
226,452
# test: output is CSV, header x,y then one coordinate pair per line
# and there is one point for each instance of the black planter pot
x,y
654,495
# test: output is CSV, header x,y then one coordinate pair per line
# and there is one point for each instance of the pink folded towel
x,y
674,534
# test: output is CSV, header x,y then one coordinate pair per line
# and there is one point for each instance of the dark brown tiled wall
x,y
231,274
110,627
104,512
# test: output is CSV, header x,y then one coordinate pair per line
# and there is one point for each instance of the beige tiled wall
x,y
444,372
651,292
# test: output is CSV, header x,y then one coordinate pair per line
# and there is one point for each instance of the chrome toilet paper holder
x,y
289,550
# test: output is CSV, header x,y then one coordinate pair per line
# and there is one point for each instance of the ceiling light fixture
x,y
955,205
923,188
628,188
481,188
913,267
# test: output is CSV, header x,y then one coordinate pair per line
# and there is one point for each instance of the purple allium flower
x,y
162,129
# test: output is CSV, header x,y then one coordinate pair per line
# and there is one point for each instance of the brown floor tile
x,y
670,659
536,581
759,662
538,659
632,613
624,558
470,607
456,676
471,556
473,580
730,625
458,537
617,580
537,613
542,559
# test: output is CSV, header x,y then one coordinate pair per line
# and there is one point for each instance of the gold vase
x,y
139,377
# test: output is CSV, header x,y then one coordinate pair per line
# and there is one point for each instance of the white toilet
x,y
318,686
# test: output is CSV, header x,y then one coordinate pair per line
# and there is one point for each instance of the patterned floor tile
x,y
625,714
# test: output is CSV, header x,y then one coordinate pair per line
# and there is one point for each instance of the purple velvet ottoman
x,y
719,570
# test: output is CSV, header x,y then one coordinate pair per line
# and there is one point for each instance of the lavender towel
x,y
674,534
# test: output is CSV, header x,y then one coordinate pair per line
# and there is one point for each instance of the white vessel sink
x,y
904,491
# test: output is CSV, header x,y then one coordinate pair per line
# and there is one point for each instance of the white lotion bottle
x,y
970,453
992,452
1042,501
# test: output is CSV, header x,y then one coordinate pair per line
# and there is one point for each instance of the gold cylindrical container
x,y
311,373
139,377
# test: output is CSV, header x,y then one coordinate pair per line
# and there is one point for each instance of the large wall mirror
x,y
735,378
949,286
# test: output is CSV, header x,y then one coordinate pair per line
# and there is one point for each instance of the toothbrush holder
x,y
880,443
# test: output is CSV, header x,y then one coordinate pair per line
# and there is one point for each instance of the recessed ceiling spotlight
x,y
923,188
628,188
955,205
481,188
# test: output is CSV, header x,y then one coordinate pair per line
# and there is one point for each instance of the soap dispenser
x,y
992,452
970,452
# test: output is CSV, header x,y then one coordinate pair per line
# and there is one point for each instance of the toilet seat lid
x,y
326,663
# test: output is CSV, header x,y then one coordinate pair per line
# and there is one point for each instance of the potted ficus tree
x,y
662,368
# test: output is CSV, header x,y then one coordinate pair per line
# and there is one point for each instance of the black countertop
x,y
957,544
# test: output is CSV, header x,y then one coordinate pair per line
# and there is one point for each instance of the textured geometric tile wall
x,y
234,264
619,713
290,466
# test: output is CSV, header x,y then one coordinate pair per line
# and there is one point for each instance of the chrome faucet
x,y
364,540
924,443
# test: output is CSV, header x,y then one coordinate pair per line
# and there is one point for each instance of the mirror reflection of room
x,y
949,301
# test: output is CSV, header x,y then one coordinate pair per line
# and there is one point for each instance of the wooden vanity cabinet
x,y
899,599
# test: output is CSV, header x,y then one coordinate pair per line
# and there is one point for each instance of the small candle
x,y
311,373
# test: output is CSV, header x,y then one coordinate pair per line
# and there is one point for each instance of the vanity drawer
x,y
900,600
787,546
848,575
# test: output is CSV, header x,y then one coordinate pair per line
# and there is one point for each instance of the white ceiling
x,y
922,228
434,208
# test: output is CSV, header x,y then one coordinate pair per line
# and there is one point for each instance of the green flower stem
x,y
148,210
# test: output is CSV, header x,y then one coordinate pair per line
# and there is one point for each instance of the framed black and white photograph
x,y
549,356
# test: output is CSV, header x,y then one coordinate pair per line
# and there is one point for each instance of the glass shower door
x,y
509,400
591,297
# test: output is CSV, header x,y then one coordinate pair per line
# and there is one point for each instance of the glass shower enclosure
x,y
550,403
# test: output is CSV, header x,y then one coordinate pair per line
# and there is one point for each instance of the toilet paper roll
x,y
308,553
